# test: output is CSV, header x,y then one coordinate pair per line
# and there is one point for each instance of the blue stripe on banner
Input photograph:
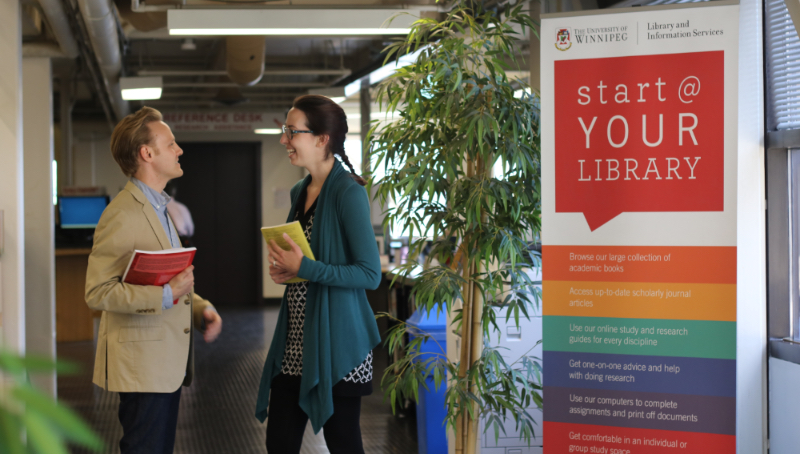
x,y
695,376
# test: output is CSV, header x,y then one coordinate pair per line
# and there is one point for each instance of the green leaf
x,y
41,436
59,416
10,433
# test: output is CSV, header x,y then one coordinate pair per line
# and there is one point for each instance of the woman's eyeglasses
x,y
291,132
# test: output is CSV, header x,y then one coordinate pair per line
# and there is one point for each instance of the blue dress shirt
x,y
159,202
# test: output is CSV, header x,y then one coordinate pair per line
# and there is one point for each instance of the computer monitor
x,y
81,212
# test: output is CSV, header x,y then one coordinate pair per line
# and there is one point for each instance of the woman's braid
x,y
346,161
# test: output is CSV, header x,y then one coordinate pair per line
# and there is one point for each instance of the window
x,y
782,58
783,67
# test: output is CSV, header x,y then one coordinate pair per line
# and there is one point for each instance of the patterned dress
x,y
359,381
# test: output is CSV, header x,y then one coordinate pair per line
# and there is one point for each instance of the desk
x,y
73,317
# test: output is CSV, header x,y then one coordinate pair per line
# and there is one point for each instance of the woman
x,y
320,361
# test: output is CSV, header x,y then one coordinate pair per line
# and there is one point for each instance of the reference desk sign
x,y
211,121
639,159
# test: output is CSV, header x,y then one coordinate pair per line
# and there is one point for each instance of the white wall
x,y
40,267
94,166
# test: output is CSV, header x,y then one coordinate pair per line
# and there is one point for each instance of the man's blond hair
x,y
128,137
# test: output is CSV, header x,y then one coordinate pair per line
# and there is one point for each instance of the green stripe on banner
x,y
637,336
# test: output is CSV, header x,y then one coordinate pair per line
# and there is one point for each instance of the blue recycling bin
x,y
431,412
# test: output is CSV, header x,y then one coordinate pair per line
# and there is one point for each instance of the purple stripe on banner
x,y
699,376
686,413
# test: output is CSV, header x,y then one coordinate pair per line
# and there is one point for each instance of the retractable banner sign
x,y
639,145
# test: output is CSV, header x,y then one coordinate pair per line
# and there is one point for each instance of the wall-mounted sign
x,y
202,121
639,161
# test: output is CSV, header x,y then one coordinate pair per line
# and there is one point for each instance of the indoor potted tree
x,y
32,422
457,117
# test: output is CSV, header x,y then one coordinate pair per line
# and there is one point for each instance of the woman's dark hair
x,y
326,117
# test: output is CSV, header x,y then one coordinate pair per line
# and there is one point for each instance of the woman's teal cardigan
x,y
340,328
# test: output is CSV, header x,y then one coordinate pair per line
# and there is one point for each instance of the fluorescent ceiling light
x,y
352,88
268,131
140,88
133,94
306,22
384,71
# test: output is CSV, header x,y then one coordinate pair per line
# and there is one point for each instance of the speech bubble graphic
x,y
636,134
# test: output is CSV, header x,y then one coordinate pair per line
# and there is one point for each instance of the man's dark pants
x,y
149,421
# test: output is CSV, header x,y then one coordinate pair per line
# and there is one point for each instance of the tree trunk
x,y
471,336
463,422
476,349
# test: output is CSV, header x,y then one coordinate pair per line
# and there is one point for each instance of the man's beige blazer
x,y
140,348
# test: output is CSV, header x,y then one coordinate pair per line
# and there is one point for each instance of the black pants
x,y
287,421
148,422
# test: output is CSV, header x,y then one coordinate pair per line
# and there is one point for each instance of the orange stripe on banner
x,y
640,300
676,264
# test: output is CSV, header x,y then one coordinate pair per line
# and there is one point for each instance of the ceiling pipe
x,y
99,84
59,24
102,29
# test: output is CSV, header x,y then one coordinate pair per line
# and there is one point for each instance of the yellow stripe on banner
x,y
640,300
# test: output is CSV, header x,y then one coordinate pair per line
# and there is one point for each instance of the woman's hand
x,y
284,265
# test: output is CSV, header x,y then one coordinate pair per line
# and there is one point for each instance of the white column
x,y
12,262
40,274
365,105
751,324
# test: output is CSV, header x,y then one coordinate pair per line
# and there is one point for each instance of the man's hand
x,y
182,283
213,324
284,265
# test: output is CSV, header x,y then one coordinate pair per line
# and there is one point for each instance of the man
x,y
144,346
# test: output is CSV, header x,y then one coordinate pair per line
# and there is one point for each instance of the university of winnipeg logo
x,y
563,41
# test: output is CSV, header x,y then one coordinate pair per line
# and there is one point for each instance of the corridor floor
x,y
216,412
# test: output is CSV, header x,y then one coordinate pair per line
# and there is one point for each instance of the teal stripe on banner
x,y
638,336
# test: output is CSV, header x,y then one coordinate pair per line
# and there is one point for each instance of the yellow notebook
x,y
295,232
